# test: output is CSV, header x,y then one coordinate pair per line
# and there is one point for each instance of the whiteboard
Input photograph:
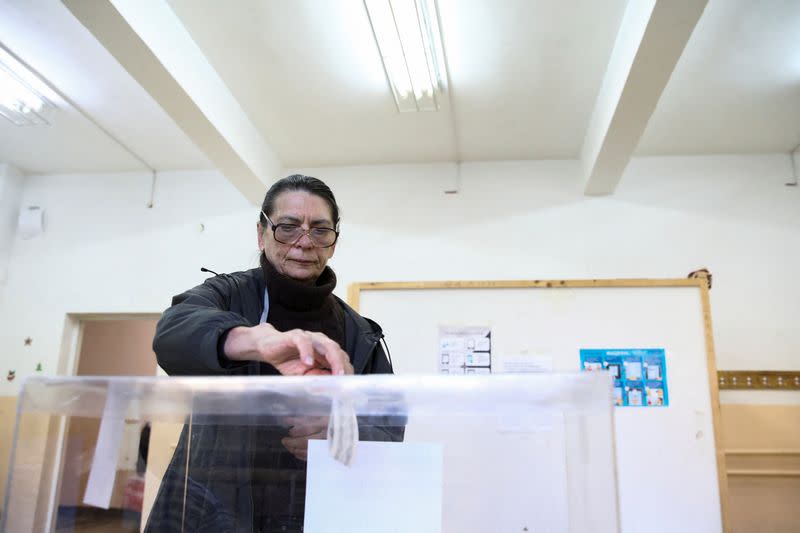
x,y
667,467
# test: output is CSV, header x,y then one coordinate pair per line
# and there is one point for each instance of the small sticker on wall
x,y
11,375
640,375
38,367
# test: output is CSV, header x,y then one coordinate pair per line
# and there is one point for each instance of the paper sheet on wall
x,y
106,453
389,486
465,350
525,363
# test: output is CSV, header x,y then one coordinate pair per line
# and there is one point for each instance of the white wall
x,y
10,194
105,251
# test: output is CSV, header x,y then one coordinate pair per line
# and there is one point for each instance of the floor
x,y
94,520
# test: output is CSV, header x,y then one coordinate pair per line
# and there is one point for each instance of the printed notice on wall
x,y
525,363
640,375
465,350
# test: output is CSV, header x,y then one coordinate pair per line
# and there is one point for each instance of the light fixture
x,y
20,102
407,34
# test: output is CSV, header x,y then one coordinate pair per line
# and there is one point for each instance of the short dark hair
x,y
299,182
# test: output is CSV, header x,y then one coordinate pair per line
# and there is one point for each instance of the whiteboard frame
x,y
354,298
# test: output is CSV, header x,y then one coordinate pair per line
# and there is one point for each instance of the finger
x,y
308,425
274,346
304,344
296,453
337,359
295,445
306,420
301,431
300,454
319,435
290,443
327,351
308,430
317,372
347,367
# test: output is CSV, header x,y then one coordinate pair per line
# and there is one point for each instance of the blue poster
x,y
640,375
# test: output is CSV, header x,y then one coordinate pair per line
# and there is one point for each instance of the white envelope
x,y
389,487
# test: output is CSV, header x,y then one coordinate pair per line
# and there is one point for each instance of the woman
x,y
279,319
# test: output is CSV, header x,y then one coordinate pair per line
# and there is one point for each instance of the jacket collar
x,y
294,295
360,336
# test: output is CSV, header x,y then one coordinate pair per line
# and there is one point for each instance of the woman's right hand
x,y
292,353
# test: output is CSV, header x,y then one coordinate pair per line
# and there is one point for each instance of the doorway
x,y
106,346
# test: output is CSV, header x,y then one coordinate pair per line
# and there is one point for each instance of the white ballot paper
x,y
106,452
389,487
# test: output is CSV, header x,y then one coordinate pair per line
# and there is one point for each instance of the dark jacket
x,y
238,477
190,334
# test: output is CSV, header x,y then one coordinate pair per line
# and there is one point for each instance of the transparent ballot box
x,y
326,454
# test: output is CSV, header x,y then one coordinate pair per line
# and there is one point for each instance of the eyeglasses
x,y
291,233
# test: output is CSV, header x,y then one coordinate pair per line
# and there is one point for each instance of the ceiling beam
x,y
649,43
152,44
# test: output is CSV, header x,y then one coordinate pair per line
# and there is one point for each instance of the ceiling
x,y
524,78
736,88
45,35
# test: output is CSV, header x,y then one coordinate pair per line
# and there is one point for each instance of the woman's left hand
x,y
302,429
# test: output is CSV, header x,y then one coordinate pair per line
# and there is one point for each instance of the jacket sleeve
x,y
189,334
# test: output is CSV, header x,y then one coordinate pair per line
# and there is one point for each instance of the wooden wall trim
x,y
355,288
759,379
767,452
716,418
764,473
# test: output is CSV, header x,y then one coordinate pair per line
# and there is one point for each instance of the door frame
x,y
55,446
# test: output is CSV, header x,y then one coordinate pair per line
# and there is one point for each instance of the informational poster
x,y
465,350
640,375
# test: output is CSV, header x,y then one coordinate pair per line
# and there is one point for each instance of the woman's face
x,y
301,260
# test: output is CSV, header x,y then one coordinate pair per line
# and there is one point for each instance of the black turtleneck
x,y
295,305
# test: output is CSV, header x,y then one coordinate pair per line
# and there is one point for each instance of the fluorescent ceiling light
x,y
19,101
407,33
